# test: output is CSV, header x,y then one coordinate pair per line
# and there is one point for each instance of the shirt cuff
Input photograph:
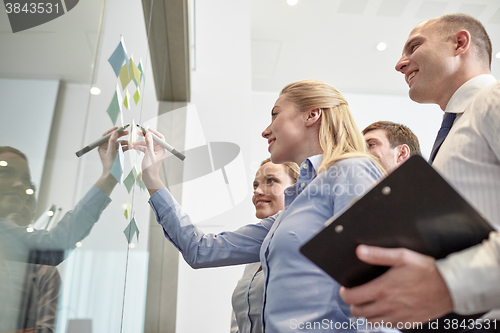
x,y
472,276
161,201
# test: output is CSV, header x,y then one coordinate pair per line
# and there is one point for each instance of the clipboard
x,y
413,207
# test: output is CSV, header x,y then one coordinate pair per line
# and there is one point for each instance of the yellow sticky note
x,y
124,76
134,73
127,211
137,96
133,132
126,100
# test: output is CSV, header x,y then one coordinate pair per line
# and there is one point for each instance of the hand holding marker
x,y
163,143
100,141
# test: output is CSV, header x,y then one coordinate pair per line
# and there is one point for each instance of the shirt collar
x,y
465,94
315,161
306,175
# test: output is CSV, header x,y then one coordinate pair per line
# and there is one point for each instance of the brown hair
x,y
8,149
292,169
397,135
452,23
339,136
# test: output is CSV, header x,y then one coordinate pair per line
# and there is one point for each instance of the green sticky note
x,y
137,96
114,108
131,230
127,211
130,180
141,68
124,76
142,185
126,100
140,182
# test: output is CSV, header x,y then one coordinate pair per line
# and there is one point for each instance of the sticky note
x,y
129,181
118,57
117,168
134,72
131,230
127,211
141,68
126,100
140,182
133,135
137,96
124,76
115,107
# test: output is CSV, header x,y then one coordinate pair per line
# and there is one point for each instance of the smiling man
x,y
391,143
446,61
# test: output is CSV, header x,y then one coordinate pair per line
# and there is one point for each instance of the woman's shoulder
x,y
361,161
355,167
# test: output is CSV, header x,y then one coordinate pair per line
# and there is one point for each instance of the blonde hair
x,y
292,169
339,136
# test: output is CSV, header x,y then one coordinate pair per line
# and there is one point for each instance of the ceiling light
x,y
95,91
30,191
50,213
78,244
292,2
381,46
30,229
131,245
497,55
3,163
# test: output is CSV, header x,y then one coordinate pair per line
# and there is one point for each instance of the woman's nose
x,y
258,191
266,132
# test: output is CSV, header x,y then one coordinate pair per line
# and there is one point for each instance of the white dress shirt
x,y
469,160
247,301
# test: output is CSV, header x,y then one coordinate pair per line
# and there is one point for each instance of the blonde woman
x,y
313,127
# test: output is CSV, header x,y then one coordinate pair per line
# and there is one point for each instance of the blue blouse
x,y
297,294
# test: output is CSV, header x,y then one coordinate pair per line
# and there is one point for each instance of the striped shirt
x,y
469,160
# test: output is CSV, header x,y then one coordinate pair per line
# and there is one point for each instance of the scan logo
x,y
26,14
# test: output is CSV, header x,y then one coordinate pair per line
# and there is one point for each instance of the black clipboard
x,y
413,207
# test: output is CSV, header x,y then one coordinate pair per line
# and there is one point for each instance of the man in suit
x,y
447,61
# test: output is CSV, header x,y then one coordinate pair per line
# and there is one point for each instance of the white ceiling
x,y
64,48
330,40
335,40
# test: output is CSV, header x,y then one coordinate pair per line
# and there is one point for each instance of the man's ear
x,y
403,154
462,40
313,117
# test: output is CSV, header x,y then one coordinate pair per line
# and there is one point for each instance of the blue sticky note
x,y
140,67
117,168
131,230
118,57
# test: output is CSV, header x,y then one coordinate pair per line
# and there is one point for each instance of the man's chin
x,y
413,95
418,96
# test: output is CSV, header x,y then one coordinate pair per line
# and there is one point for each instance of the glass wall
x,y
73,236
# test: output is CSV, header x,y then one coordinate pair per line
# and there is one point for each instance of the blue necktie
x,y
448,120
